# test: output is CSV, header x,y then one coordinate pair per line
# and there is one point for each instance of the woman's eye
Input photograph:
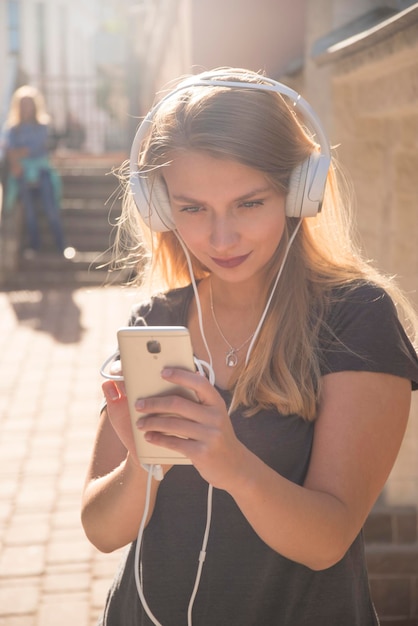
x,y
252,203
190,209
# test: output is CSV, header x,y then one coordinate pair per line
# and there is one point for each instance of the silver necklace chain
x,y
231,358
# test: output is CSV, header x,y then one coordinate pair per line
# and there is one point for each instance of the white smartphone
x,y
144,352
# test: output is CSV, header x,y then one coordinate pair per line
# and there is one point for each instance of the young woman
x,y
312,373
27,140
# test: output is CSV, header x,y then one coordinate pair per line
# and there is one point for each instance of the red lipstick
x,y
230,262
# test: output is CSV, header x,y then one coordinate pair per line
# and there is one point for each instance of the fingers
x,y
179,416
194,381
171,425
118,413
201,405
174,421
185,446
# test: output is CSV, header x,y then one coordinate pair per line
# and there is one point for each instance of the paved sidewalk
x,y
52,344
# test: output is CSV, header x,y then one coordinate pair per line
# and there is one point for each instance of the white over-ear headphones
x,y
307,181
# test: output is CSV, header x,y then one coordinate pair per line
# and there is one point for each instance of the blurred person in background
x,y
30,173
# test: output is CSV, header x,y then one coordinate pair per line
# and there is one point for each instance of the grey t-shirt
x,y
244,582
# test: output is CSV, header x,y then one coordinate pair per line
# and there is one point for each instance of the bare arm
x,y
114,492
358,433
14,157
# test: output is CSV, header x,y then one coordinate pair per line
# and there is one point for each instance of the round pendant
x,y
231,359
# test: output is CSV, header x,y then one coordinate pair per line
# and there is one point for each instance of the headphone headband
x,y
307,181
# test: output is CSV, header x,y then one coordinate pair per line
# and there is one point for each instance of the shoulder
x,y
359,302
164,309
362,331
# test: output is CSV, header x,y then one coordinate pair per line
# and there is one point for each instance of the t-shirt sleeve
x,y
363,333
164,309
155,312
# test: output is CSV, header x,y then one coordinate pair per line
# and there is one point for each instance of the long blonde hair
x,y
259,129
32,93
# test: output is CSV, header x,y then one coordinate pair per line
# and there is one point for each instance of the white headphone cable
x,y
202,555
276,282
199,308
138,547
138,550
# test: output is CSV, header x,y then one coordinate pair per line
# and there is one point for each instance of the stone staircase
x,y
91,203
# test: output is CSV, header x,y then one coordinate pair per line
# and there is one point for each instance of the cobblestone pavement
x,y
52,344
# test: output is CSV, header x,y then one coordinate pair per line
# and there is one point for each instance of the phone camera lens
x,y
153,346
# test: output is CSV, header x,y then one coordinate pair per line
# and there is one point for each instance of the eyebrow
x,y
250,194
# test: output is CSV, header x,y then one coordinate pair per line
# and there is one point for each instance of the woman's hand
x,y
118,412
15,156
119,416
202,430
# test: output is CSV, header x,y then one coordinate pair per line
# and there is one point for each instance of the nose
x,y
223,233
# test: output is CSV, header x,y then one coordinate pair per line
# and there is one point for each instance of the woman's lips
x,y
230,261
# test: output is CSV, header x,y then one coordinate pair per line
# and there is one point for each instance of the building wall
x,y
4,52
162,46
188,36
56,37
58,53
376,108
241,33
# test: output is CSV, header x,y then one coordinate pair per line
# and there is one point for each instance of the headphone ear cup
x,y
307,185
152,202
161,206
297,184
